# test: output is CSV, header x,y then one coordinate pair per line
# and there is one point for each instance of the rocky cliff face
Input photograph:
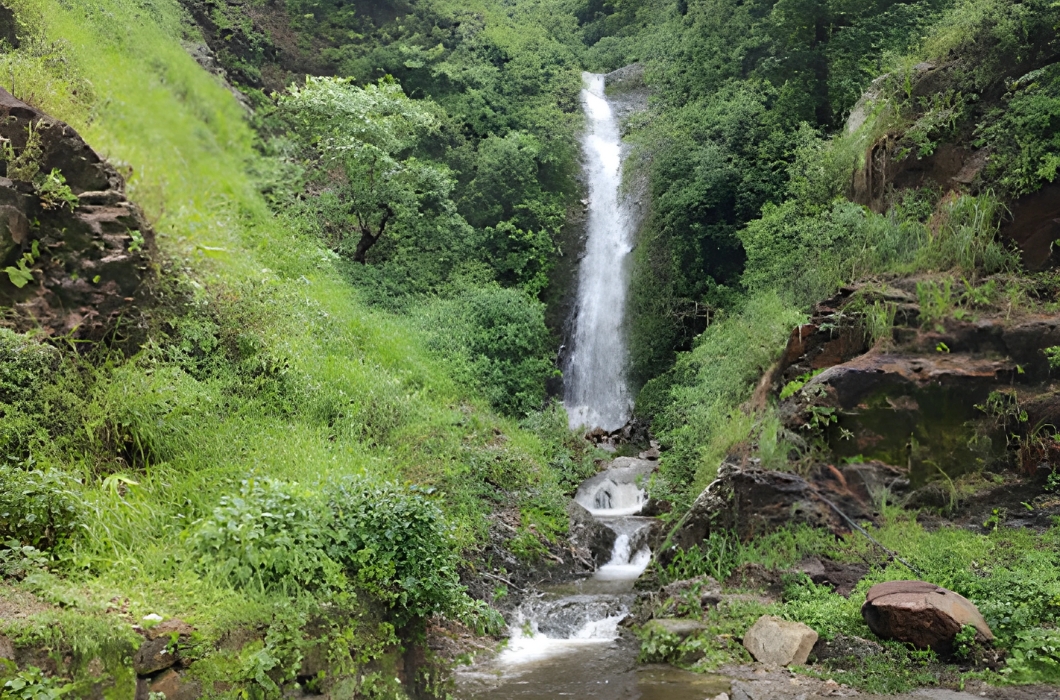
x,y
75,254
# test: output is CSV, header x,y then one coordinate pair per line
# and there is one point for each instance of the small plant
x,y
821,417
878,320
32,684
21,274
24,166
796,384
38,507
18,561
54,193
936,302
1052,354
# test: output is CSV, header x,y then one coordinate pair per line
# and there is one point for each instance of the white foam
x,y
611,499
527,644
596,391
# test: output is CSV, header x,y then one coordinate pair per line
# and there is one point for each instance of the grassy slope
x,y
350,391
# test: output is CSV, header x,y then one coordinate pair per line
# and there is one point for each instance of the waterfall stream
x,y
596,393
566,641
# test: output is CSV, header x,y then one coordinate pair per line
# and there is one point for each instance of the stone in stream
x,y
922,614
777,642
586,532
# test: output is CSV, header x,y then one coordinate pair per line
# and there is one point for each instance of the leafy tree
x,y
362,138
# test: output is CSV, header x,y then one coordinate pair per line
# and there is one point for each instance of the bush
x,y
37,507
273,535
357,535
396,545
36,401
497,338
1024,136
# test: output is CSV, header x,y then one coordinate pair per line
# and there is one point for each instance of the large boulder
x,y
84,265
751,502
776,642
922,614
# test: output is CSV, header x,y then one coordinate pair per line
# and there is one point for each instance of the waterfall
x,y
596,392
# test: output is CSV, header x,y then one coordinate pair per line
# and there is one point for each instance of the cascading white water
x,y
596,392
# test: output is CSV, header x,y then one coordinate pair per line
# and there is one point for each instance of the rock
x,y
153,655
922,614
675,627
170,685
844,647
590,534
753,502
755,577
92,267
655,507
777,642
159,649
7,648
841,577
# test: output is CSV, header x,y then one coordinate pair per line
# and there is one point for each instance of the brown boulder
x,y
170,685
922,614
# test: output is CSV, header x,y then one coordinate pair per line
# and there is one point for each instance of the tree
x,y
362,138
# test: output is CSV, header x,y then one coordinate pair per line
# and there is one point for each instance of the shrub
x,y
396,545
498,337
37,403
1025,135
356,535
38,507
273,535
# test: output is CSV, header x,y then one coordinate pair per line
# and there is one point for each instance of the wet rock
x,y
922,614
563,618
674,627
845,647
618,488
590,534
655,507
777,642
90,261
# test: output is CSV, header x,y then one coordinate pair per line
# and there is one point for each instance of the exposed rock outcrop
x,y
751,502
77,255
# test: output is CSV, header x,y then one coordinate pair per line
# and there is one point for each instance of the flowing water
x,y
596,393
567,642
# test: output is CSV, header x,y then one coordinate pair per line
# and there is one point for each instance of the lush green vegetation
x,y
1009,573
344,378
305,446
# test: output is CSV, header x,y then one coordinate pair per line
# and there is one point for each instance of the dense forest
x,y
314,423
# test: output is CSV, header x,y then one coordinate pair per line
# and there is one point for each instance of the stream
x,y
565,641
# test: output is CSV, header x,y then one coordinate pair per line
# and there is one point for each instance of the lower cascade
x,y
562,638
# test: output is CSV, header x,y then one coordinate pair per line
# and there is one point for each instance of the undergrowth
x,y
1010,574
